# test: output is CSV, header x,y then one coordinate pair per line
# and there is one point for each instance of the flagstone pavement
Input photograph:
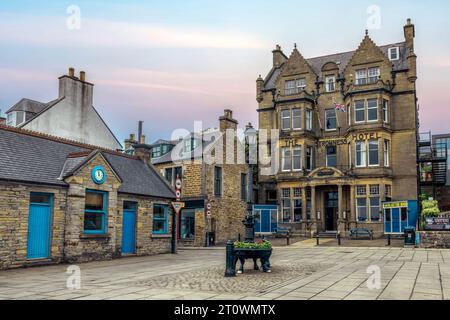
x,y
300,272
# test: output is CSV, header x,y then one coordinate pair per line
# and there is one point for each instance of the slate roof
x,y
26,156
343,58
28,105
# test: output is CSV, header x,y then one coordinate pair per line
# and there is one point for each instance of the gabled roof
x,y
28,105
342,59
30,157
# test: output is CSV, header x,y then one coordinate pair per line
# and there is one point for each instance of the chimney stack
x,y
410,33
227,122
83,76
71,72
278,56
141,149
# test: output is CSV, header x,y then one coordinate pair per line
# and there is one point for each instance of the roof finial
x,y
367,32
295,45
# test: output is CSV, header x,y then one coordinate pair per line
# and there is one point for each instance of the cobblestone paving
x,y
301,271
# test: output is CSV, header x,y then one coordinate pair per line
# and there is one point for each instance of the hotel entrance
x,y
331,210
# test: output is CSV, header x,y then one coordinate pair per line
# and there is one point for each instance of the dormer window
x,y
16,118
374,74
330,84
367,76
394,53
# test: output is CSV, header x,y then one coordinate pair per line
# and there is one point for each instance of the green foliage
x,y
430,208
257,245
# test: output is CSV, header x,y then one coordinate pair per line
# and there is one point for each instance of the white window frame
x,y
386,151
308,119
330,86
397,53
300,84
385,111
299,116
367,112
373,78
363,109
11,119
361,75
290,87
285,157
363,153
369,143
287,111
335,116
296,149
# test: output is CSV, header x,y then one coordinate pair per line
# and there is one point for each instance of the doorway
x,y
129,228
39,226
331,210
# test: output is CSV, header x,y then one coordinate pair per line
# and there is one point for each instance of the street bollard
x,y
339,239
317,239
230,266
388,239
288,239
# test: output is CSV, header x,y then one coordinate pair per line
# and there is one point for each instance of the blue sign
x,y
98,175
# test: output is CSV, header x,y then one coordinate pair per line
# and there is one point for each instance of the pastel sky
x,y
170,63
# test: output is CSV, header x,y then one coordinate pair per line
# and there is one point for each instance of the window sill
x,y
161,236
94,236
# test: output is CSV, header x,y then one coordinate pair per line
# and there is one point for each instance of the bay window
x,y
360,112
297,158
286,163
373,153
360,154
308,115
309,158
385,111
372,110
374,203
296,119
285,119
297,204
361,203
368,203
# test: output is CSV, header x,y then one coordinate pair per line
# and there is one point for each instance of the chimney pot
x,y
71,72
132,136
142,139
82,76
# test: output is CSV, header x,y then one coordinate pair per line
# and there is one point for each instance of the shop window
x,y
243,187
297,159
331,156
330,120
373,153
286,120
404,214
374,203
218,181
286,204
160,219
372,110
360,112
187,224
95,212
296,119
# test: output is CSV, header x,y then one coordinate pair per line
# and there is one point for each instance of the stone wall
x,y
435,239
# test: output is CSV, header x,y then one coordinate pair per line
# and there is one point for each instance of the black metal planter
x,y
235,254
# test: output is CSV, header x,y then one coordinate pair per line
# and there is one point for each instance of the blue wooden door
x,y
265,221
396,221
39,226
129,231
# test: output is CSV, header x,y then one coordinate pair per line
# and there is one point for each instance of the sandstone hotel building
x,y
348,134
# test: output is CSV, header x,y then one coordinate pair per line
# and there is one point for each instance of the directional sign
x,y
177,206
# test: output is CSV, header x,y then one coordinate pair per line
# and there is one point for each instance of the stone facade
x,y
227,210
303,99
435,239
69,243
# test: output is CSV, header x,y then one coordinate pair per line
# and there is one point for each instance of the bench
x,y
328,235
282,232
358,233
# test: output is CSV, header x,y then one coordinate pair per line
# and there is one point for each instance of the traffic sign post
x,y
177,206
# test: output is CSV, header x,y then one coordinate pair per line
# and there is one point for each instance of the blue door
x,y
129,229
39,226
265,221
396,228
266,218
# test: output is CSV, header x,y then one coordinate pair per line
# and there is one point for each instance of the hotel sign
x,y
338,141
331,142
365,136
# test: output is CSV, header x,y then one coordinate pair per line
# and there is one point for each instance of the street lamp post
x,y
251,138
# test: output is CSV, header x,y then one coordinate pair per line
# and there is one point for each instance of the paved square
x,y
301,271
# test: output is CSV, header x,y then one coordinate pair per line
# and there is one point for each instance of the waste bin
x,y
410,236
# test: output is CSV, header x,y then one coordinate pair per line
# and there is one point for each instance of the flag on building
x,y
339,107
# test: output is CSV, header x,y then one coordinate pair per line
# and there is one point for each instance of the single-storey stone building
x,y
64,201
